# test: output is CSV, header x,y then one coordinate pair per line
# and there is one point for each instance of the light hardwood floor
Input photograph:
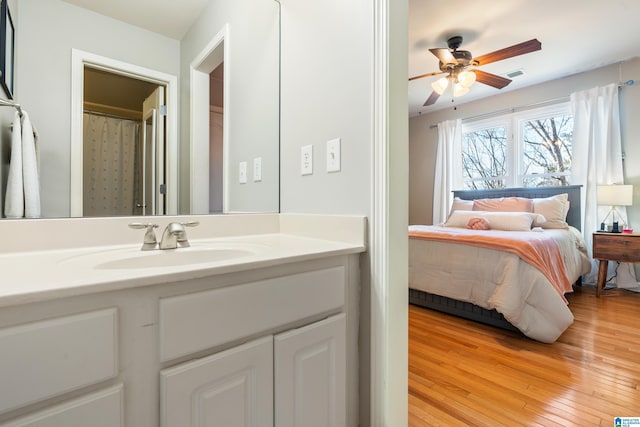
x,y
462,373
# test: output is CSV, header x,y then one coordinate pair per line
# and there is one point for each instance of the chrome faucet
x,y
175,236
150,242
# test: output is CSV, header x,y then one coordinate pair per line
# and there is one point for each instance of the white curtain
x,y
109,146
448,168
597,160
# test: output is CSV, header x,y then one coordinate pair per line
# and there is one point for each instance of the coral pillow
x,y
478,223
504,204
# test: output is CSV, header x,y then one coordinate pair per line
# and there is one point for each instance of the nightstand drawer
x,y
616,247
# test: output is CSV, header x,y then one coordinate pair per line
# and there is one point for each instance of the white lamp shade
x,y
459,90
466,78
614,195
440,85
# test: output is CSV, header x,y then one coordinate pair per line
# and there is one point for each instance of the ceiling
x,y
171,18
576,36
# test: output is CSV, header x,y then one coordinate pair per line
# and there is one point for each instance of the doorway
x,y
123,145
208,75
216,139
154,108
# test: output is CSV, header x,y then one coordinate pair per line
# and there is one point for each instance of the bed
x,y
501,287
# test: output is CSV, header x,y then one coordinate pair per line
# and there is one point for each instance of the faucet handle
x,y
190,223
140,225
150,242
182,239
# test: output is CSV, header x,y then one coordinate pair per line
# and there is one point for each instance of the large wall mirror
x,y
210,95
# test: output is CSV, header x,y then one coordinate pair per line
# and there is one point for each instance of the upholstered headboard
x,y
573,216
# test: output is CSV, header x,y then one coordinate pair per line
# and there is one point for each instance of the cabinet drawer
x,y
47,358
616,247
100,409
194,322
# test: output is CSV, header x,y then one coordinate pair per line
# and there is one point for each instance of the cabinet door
x,y
310,377
233,388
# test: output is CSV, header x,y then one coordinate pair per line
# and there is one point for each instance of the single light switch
x,y
257,169
242,173
333,155
306,158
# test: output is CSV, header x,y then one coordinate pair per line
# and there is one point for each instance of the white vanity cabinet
x,y
293,362
299,374
271,346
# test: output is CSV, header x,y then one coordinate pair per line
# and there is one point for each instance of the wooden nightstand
x,y
621,247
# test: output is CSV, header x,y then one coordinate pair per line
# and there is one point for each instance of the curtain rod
x,y
113,116
526,107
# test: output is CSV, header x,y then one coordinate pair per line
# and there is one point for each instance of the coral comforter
x,y
521,274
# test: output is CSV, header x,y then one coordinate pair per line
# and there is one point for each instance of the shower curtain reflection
x,y
112,166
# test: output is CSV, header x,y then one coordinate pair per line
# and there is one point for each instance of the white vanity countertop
x,y
38,275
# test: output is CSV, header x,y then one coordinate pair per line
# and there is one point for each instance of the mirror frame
x,y
80,59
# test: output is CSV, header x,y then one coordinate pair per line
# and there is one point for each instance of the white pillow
x,y
508,221
460,205
554,209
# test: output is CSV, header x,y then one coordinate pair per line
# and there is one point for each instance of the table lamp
x,y
614,195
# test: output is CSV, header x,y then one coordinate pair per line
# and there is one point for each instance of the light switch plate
x,y
333,155
257,169
306,159
242,173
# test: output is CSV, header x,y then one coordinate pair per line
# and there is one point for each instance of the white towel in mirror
x,y
23,184
14,199
30,177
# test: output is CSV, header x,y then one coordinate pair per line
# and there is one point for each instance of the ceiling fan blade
x,y
491,79
444,55
426,75
508,52
432,99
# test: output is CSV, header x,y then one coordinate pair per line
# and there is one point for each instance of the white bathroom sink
x,y
173,257
125,258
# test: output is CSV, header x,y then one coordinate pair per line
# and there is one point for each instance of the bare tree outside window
x,y
484,158
542,158
547,151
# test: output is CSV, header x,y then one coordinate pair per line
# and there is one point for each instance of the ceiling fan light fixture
x,y
466,78
459,90
455,62
440,85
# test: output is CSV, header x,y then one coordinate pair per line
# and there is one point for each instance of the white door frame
x,y
214,53
81,58
388,246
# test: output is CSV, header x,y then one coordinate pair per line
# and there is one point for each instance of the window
x,y
525,149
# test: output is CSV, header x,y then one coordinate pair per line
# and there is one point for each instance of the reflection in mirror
x,y
127,168
249,112
121,146
153,147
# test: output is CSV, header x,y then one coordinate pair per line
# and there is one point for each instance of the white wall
x,y
48,30
253,99
344,76
326,93
423,140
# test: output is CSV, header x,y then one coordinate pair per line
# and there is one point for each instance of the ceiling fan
x,y
456,63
